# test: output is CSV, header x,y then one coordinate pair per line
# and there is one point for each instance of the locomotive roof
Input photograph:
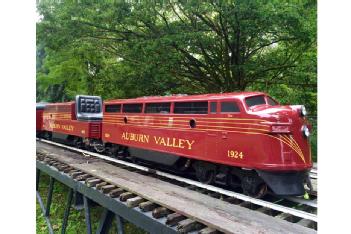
x,y
40,105
60,103
182,97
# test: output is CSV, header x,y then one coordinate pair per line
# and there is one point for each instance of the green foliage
x,y
148,48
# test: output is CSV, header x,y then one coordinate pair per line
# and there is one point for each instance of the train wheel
x,y
100,148
253,186
205,176
78,142
233,181
205,172
47,135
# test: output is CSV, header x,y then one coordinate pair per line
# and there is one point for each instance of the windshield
x,y
255,100
260,100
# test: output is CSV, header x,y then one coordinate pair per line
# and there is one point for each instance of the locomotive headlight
x,y
305,131
303,111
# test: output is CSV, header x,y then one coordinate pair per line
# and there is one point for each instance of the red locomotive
x,y
76,123
246,139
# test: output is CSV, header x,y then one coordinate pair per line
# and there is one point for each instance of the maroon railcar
x,y
77,122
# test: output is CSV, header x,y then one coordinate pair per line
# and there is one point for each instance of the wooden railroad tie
x,y
286,216
115,193
76,174
56,164
174,218
232,200
50,162
83,177
63,167
99,185
306,223
189,225
135,201
265,210
72,171
125,196
147,206
247,204
92,183
160,212
68,169
208,230
107,188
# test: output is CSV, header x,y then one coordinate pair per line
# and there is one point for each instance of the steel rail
x,y
288,210
312,203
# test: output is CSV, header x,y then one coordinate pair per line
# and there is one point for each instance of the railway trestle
x,y
114,209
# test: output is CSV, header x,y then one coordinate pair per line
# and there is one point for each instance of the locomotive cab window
x,y
132,108
255,100
229,107
191,107
158,107
115,108
213,107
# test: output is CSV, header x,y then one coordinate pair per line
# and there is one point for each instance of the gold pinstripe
x,y
186,121
183,125
297,150
180,117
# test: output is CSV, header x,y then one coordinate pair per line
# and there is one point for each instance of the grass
x,y
76,220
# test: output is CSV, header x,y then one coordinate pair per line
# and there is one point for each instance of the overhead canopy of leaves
x,y
134,48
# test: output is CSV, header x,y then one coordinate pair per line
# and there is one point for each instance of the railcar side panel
x,y
74,127
231,141
61,118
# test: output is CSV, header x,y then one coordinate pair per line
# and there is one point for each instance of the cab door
x,y
210,124
229,138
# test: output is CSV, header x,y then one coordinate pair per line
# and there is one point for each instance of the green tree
x,y
148,48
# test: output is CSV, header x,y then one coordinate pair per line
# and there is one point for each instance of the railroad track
x,y
293,209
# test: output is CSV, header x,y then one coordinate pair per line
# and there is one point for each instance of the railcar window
x,y
255,100
271,101
113,108
158,107
190,108
213,107
229,107
132,108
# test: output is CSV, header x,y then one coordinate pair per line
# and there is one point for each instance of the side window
x,y
132,108
158,107
113,108
229,107
271,102
191,107
213,107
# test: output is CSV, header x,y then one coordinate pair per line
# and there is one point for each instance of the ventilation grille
x,y
95,129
